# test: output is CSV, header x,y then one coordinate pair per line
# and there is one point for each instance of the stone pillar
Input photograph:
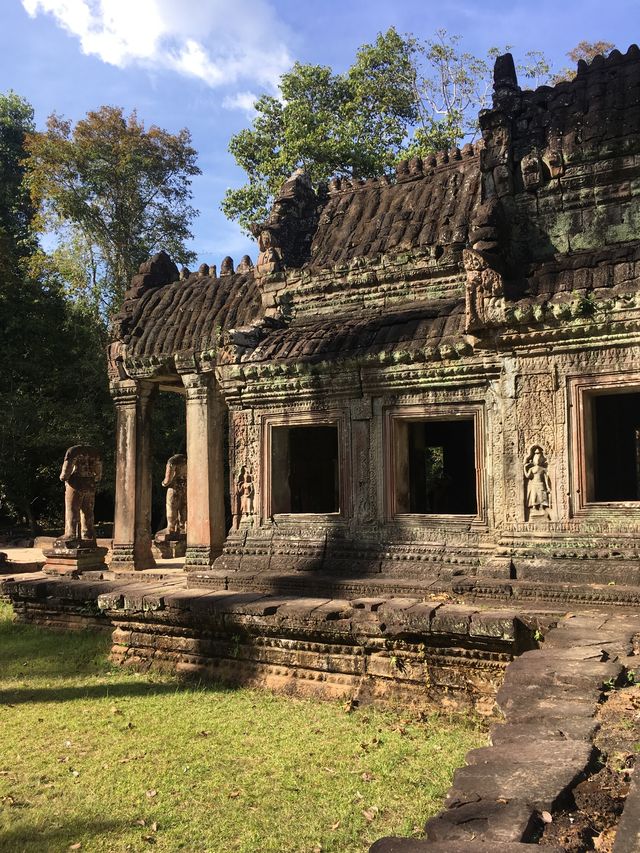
x,y
205,471
132,523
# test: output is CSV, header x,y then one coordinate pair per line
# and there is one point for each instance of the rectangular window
x,y
605,473
616,451
305,474
435,469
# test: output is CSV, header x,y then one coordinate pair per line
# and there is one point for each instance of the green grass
x,y
111,760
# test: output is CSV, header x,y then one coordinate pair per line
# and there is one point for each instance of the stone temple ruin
x,y
429,388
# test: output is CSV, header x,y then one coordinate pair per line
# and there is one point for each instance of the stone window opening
x,y
436,474
305,470
615,447
435,463
605,444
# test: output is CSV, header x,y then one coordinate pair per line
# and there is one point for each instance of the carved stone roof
x,y
429,205
536,227
420,328
191,314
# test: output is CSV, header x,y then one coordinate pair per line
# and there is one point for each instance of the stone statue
x,y
536,472
81,473
244,496
270,257
175,482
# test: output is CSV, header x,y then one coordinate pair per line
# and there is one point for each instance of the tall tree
x,y
117,192
16,210
53,389
401,97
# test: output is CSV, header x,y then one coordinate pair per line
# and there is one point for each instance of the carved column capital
x,y
128,392
197,385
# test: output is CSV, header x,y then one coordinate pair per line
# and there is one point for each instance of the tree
x,y
401,97
346,124
16,211
585,50
53,389
116,193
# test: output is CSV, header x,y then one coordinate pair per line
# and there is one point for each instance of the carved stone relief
x,y
244,494
484,295
538,502
245,460
532,171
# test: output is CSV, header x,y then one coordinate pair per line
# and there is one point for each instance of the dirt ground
x,y
599,800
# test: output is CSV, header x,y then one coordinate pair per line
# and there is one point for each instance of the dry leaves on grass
x,y
370,813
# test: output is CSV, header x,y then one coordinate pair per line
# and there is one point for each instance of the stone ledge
x,y
368,648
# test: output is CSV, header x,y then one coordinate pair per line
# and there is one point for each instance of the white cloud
x,y
241,101
219,42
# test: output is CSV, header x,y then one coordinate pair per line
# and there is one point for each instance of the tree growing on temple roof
x,y
401,97
116,192
347,124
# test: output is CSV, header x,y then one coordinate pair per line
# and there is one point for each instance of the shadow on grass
x,y
115,690
24,836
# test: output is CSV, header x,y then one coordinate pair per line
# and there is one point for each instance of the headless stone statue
x,y
175,482
81,473
76,550
171,541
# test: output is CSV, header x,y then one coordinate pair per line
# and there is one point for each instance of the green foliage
x,y
53,393
451,86
53,390
118,191
194,768
350,124
16,212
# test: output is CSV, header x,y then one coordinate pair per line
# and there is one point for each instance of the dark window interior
x,y
617,447
304,474
441,468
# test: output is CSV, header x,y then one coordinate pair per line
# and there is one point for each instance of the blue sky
x,y
195,63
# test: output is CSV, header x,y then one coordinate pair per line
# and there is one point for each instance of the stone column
x,y
205,471
132,523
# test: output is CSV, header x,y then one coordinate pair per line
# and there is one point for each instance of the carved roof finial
x,y
245,265
226,267
504,73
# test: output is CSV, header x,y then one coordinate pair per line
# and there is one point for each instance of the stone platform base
x,y
169,546
71,562
368,649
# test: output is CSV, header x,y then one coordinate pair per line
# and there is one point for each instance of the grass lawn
x,y
94,758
